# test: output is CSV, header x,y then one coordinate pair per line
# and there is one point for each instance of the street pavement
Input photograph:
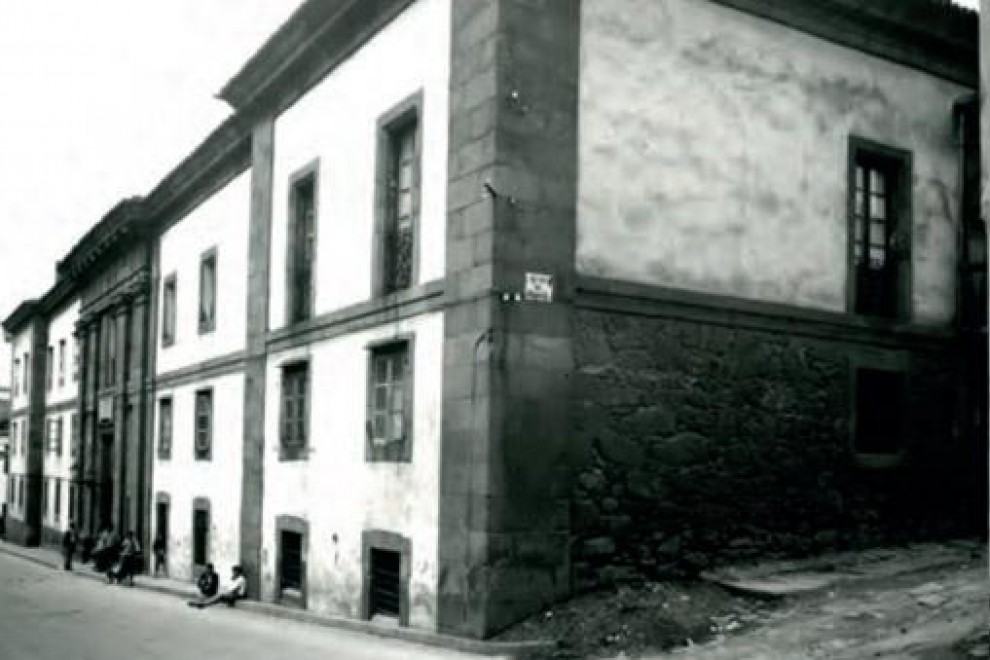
x,y
51,615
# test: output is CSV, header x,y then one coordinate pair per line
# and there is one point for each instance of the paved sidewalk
x,y
52,559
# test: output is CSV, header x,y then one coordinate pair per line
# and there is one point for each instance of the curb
x,y
414,635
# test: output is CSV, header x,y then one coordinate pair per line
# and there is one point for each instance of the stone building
x,y
469,306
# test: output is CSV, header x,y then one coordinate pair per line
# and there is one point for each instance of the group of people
x,y
121,559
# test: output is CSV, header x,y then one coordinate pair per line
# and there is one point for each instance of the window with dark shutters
x,y
295,410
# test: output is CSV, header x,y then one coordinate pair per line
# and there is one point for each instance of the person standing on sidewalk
x,y
69,540
159,548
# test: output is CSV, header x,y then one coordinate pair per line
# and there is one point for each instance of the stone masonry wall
x,y
699,444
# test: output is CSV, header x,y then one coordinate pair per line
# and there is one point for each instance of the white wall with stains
x,y
713,155
185,478
337,490
336,122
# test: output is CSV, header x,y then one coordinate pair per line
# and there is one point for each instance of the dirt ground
x,y
934,610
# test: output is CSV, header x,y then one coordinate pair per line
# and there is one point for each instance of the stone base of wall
x,y
699,444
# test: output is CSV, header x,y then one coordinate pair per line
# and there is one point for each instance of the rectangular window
x,y
291,568
168,310
208,291
110,352
61,363
58,499
880,230
204,424
20,492
17,375
49,435
58,436
44,497
201,536
295,410
401,202
13,438
880,410
49,368
389,403
165,428
301,248
25,379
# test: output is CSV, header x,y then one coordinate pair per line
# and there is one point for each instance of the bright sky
x,y
99,100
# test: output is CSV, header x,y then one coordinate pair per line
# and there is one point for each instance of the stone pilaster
x,y
511,210
259,249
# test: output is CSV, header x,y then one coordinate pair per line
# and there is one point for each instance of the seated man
x,y
236,591
208,582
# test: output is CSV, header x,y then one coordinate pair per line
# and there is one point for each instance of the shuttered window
x,y
295,410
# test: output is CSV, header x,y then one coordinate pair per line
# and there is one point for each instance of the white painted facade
x,y
184,478
219,224
60,418
713,155
20,346
335,488
336,123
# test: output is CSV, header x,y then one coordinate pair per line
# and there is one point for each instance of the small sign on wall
x,y
539,287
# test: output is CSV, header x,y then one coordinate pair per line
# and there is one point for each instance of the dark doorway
x,y
161,520
201,538
386,569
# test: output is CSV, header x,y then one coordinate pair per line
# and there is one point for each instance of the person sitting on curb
x,y
208,583
235,592
129,561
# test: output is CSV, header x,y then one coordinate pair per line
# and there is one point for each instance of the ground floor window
x,y
386,557
880,409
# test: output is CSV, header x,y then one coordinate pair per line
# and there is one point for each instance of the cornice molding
x,y
934,37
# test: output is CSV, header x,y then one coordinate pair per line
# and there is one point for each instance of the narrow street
x,y
48,615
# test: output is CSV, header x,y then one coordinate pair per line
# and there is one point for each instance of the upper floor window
x,y
49,368
203,433
398,197
389,403
26,381
165,428
168,310
109,350
295,410
301,246
208,291
16,376
61,362
880,230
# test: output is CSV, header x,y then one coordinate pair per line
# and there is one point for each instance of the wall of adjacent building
x,y
713,155
203,360
713,159
220,223
60,404
336,123
183,478
20,343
